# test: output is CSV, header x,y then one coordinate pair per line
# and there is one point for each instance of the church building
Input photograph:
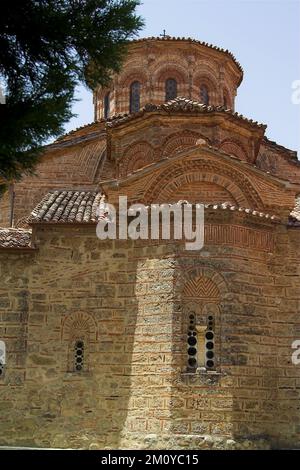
x,y
142,344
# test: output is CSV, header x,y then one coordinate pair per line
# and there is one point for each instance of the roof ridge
x,y
273,143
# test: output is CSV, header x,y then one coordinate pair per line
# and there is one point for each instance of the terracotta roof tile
x,y
80,207
295,215
231,207
15,238
67,207
251,212
180,104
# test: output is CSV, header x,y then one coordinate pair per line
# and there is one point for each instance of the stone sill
x,y
77,375
202,377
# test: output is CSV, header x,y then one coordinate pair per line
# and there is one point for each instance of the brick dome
x,y
158,69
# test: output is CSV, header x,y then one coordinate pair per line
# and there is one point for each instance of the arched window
x,y
135,97
204,95
2,358
106,105
171,89
79,356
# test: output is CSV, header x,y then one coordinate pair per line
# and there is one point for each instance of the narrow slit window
x,y
79,356
210,343
135,97
171,89
204,95
200,344
192,343
2,358
107,105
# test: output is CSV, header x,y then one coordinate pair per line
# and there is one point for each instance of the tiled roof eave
x,y
179,105
182,105
16,239
69,206
74,141
56,207
35,223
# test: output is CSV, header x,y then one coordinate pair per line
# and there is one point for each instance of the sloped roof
x,y
181,105
15,238
93,130
292,153
81,206
67,207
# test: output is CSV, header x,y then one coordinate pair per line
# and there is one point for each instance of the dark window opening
x,y
171,89
106,105
200,344
204,95
135,97
79,356
2,358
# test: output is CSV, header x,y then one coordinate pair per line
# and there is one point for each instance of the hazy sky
x,y
264,36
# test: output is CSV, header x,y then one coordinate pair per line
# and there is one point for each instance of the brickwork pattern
x,y
130,300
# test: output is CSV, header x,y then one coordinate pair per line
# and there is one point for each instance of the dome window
x,y
204,95
135,97
171,89
106,105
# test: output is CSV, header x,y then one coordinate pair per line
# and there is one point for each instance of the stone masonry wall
x,y
128,300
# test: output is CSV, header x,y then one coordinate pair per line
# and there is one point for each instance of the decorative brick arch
x,y
78,327
138,156
210,81
170,69
79,323
132,75
84,161
180,141
205,79
238,185
202,288
235,148
172,72
204,282
101,161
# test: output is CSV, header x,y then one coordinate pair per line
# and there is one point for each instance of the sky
x,y
264,36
